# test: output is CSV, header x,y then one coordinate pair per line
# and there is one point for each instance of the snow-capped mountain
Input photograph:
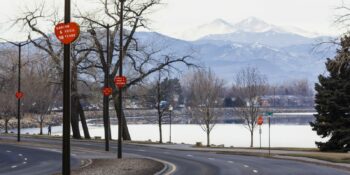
x,y
278,53
249,25
255,25
280,56
218,26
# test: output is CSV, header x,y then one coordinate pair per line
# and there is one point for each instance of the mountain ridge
x,y
251,24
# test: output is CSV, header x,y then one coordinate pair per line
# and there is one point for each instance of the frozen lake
x,y
228,134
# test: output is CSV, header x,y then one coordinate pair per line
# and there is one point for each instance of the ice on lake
x,y
228,134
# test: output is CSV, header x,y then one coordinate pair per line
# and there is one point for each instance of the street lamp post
x,y
106,98
170,110
106,119
260,134
19,45
66,96
121,52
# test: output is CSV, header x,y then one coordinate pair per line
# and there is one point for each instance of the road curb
x,y
168,169
313,161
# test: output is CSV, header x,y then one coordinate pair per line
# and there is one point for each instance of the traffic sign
x,y
269,113
19,95
120,81
67,32
260,120
107,91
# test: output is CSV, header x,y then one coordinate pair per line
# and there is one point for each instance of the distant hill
x,y
279,53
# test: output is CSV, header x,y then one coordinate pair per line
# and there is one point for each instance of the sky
x,y
175,16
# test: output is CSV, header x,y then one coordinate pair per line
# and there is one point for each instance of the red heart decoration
x,y
107,91
19,94
67,32
120,81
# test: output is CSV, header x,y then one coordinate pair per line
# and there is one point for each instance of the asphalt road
x,y
196,162
203,163
15,160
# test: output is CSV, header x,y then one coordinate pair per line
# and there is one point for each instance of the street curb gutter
x,y
169,168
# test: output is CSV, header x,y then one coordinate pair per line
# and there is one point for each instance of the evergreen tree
x,y
228,102
333,102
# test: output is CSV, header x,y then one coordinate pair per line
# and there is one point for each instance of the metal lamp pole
x,y
19,90
106,85
260,134
66,97
19,45
106,98
121,52
170,109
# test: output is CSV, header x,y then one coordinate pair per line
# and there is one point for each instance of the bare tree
x,y
141,60
32,21
8,72
40,91
249,85
204,89
161,94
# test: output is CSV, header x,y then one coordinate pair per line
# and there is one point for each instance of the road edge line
x,y
168,169
88,163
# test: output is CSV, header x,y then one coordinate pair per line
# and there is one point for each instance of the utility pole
x,y
121,52
66,97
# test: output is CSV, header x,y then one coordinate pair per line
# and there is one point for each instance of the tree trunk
x,y
75,117
83,121
160,129
6,126
74,104
208,137
125,134
251,138
41,125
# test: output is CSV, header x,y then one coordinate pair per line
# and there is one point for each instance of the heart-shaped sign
x,y
107,91
67,32
120,81
19,94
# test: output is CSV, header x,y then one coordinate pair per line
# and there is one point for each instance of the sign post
x,y
269,114
120,93
67,33
260,122
120,82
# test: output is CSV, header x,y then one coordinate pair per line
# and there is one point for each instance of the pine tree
x,y
333,102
